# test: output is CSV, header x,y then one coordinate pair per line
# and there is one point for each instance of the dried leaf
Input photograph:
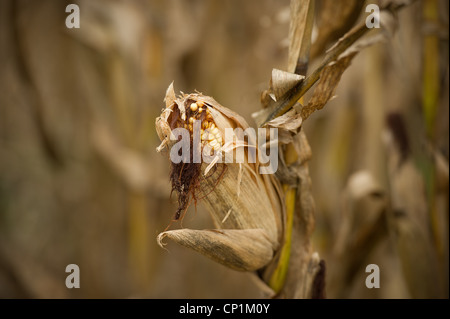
x,y
332,73
336,52
288,124
330,28
170,96
329,79
302,15
281,82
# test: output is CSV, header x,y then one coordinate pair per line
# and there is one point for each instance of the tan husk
x,y
254,248
246,206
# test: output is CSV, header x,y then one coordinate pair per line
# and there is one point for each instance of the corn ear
x,y
246,206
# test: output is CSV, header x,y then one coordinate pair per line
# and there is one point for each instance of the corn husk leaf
x,y
243,250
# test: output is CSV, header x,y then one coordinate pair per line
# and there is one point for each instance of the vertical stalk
x,y
302,19
430,99
430,89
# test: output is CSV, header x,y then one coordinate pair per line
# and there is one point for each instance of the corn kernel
x,y
194,107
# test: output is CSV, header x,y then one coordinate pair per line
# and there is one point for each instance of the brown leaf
x,y
281,82
334,19
302,15
329,79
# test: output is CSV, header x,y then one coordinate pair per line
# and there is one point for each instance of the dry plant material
x,y
330,28
361,228
300,31
329,79
408,218
350,42
296,271
246,206
257,221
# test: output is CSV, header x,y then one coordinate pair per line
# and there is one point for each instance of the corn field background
x,y
81,182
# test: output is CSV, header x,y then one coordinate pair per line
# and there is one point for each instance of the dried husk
x,y
246,206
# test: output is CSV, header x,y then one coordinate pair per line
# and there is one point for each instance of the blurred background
x,y
81,182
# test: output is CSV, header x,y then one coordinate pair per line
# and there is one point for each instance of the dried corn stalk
x,y
246,206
